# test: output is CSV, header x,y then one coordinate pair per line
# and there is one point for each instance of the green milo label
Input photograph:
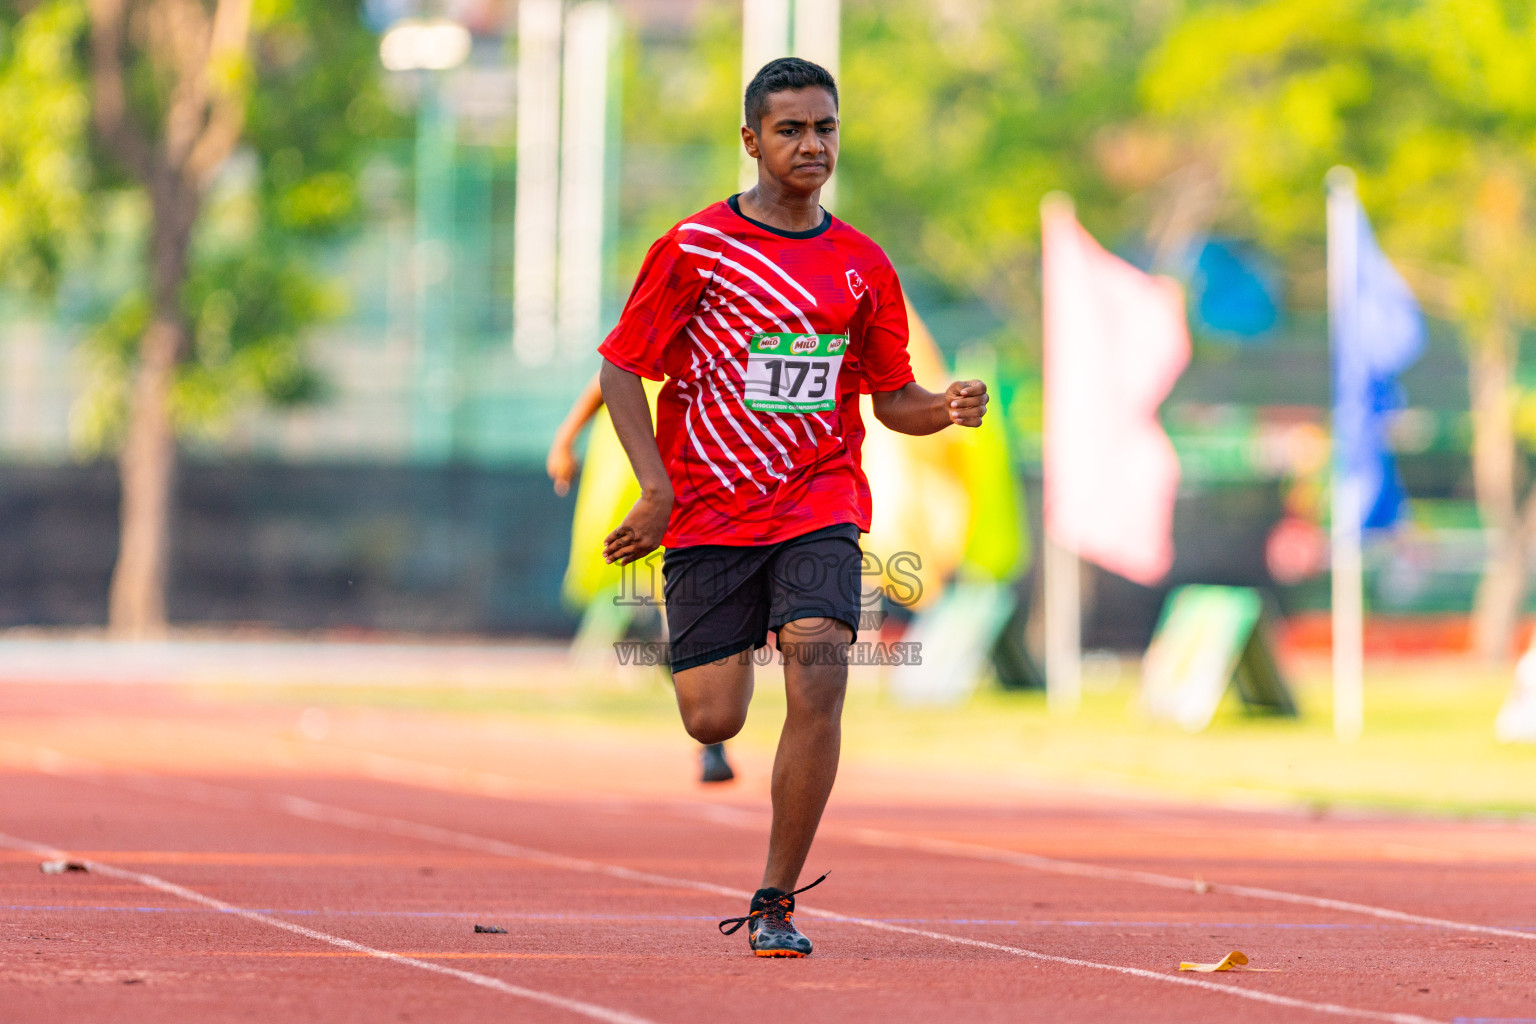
x,y
800,346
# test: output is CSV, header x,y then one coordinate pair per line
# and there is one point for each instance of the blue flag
x,y
1378,332
1234,296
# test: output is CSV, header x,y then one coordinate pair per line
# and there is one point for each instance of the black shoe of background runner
x,y
716,767
771,927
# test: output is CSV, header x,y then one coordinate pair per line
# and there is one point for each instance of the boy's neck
x,y
779,208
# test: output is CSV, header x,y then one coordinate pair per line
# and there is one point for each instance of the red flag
x,y
1115,342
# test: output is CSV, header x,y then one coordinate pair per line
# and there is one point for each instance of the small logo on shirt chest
x,y
856,284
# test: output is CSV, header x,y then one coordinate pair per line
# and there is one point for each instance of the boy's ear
x,y
749,140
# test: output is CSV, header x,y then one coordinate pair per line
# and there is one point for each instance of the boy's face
x,y
797,143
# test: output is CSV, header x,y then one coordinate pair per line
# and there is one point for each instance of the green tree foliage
x,y
44,110
247,307
228,132
313,107
1432,104
958,118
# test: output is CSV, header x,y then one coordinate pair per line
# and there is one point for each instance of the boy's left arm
x,y
913,409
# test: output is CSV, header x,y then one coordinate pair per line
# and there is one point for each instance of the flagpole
x,y
1059,565
1063,629
1348,609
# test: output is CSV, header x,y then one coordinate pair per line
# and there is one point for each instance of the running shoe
x,y
771,927
716,767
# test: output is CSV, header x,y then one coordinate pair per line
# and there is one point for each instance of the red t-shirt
x,y
743,473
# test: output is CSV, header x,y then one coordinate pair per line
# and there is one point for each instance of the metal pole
x,y
818,38
584,135
432,269
538,180
1063,630
764,37
1059,565
1348,611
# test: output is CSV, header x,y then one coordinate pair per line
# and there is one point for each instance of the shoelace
x,y
778,908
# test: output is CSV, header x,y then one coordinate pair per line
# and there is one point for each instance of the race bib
x,y
793,373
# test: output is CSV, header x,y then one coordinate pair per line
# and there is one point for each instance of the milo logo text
x,y
836,345
767,342
803,344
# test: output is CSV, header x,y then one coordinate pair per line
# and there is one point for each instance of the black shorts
x,y
723,599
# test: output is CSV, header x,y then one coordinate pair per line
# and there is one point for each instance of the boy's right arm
x,y
642,530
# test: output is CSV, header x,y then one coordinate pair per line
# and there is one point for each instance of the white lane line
x,y
327,814
577,1006
1334,1009
390,768
1035,862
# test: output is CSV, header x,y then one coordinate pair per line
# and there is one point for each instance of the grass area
x,y
1428,744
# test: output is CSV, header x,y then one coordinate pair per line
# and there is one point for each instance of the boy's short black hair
x,y
784,75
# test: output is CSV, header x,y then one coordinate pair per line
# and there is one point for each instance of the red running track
x,y
240,871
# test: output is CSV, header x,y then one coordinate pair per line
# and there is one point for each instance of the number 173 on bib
x,y
793,373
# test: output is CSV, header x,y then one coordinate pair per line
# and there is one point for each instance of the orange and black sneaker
x,y
771,927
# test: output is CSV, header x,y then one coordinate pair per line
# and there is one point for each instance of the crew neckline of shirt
x,y
826,221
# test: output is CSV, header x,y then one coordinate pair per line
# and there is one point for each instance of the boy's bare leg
x,y
806,763
713,698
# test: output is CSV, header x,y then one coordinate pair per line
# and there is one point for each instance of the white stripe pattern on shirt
x,y
752,276
733,286
753,328
718,378
723,375
742,342
709,426
691,226
725,408
698,446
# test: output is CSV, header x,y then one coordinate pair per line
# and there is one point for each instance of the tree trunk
x,y
1495,468
147,465
147,471
198,129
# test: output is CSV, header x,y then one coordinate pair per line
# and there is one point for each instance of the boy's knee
x,y
713,699
818,689
712,724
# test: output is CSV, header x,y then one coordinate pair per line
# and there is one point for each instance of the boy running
x,y
767,318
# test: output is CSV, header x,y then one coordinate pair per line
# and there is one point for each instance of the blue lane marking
x,y
998,922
